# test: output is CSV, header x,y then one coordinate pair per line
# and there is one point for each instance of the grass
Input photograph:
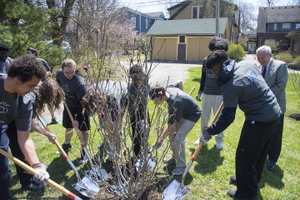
x,y
208,178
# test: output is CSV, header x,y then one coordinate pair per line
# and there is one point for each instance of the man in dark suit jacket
x,y
276,75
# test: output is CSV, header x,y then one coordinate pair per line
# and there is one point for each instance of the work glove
x,y
42,175
205,137
198,96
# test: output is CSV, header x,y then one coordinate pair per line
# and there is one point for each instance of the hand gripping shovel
x,y
33,172
177,190
85,186
98,173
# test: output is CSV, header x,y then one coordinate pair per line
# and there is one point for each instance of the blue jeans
x,y
5,173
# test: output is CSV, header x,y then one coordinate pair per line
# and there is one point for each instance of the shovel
x,y
177,190
33,172
85,186
96,172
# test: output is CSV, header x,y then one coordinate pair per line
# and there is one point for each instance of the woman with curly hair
x,y
48,93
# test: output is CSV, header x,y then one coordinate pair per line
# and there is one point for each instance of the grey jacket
x,y
276,78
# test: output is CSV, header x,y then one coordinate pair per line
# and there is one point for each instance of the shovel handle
x,y
201,142
161,138
75,127
56,143
34,172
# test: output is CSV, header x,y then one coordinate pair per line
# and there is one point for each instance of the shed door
x,y
181,51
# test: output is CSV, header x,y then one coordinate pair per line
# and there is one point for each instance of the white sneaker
x,y
197,142
219,144
83,160
178,171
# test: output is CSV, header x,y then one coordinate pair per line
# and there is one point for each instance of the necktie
x,y
264,71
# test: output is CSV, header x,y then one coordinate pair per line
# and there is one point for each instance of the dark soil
x,y
295,116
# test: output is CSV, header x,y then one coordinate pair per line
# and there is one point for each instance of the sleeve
x,y
175,113
203,76
81,91
57,78
23,121
46,65
281,79
226,118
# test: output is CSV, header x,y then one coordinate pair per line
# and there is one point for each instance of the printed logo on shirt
x,y
185,96
3,107
251,75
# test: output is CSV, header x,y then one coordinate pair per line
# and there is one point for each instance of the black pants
x,y
5,173
25,177
275,147
251,154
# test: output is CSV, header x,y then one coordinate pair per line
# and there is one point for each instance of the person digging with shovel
x,y
243,85
184,112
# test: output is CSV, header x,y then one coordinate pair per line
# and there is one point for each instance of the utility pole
x,y
217,17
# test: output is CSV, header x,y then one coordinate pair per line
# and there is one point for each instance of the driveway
x,y
163,73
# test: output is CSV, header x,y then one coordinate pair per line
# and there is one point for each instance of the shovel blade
x,y
140,164
86,187
175,191
98,173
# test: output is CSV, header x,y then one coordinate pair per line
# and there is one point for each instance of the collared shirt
x,y
268,66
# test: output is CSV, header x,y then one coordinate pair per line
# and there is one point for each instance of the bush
x,y
236,52
284,56
297,60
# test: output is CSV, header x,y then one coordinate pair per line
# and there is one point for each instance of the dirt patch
x,y
295,116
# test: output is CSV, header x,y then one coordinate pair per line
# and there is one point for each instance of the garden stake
x,y
98,173
177,190
34,172
85,186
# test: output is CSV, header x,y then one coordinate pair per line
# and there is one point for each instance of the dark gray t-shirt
x,y
4,64
74,89
18,109
183,105
248,89
210,84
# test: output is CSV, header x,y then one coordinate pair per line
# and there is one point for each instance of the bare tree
x,y
247,18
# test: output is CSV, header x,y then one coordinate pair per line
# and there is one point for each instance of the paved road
x,y
160,74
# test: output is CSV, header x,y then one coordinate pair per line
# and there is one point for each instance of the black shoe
x,y
108,161
83,157
233,180
67,147
271,165
33,186
231,193
54,120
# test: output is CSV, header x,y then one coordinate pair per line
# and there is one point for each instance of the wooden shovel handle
x,y
56,143
213,121
72,121
34,172
161,138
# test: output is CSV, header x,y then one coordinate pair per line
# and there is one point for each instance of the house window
x,y
133,21
270,41
275,27
195,12
297,26
201,12
182,39
147,24
286,26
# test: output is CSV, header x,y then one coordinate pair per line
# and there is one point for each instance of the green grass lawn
x,y
208,178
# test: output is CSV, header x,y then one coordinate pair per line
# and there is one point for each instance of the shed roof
x,y
205,26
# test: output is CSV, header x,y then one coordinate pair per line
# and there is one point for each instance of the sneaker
x,y
83,157
219,144
178,171
271,165
33,186
66,148
54,120
197,142
169,161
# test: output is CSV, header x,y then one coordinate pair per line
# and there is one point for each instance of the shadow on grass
x,y
196,79
273,178
207,160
